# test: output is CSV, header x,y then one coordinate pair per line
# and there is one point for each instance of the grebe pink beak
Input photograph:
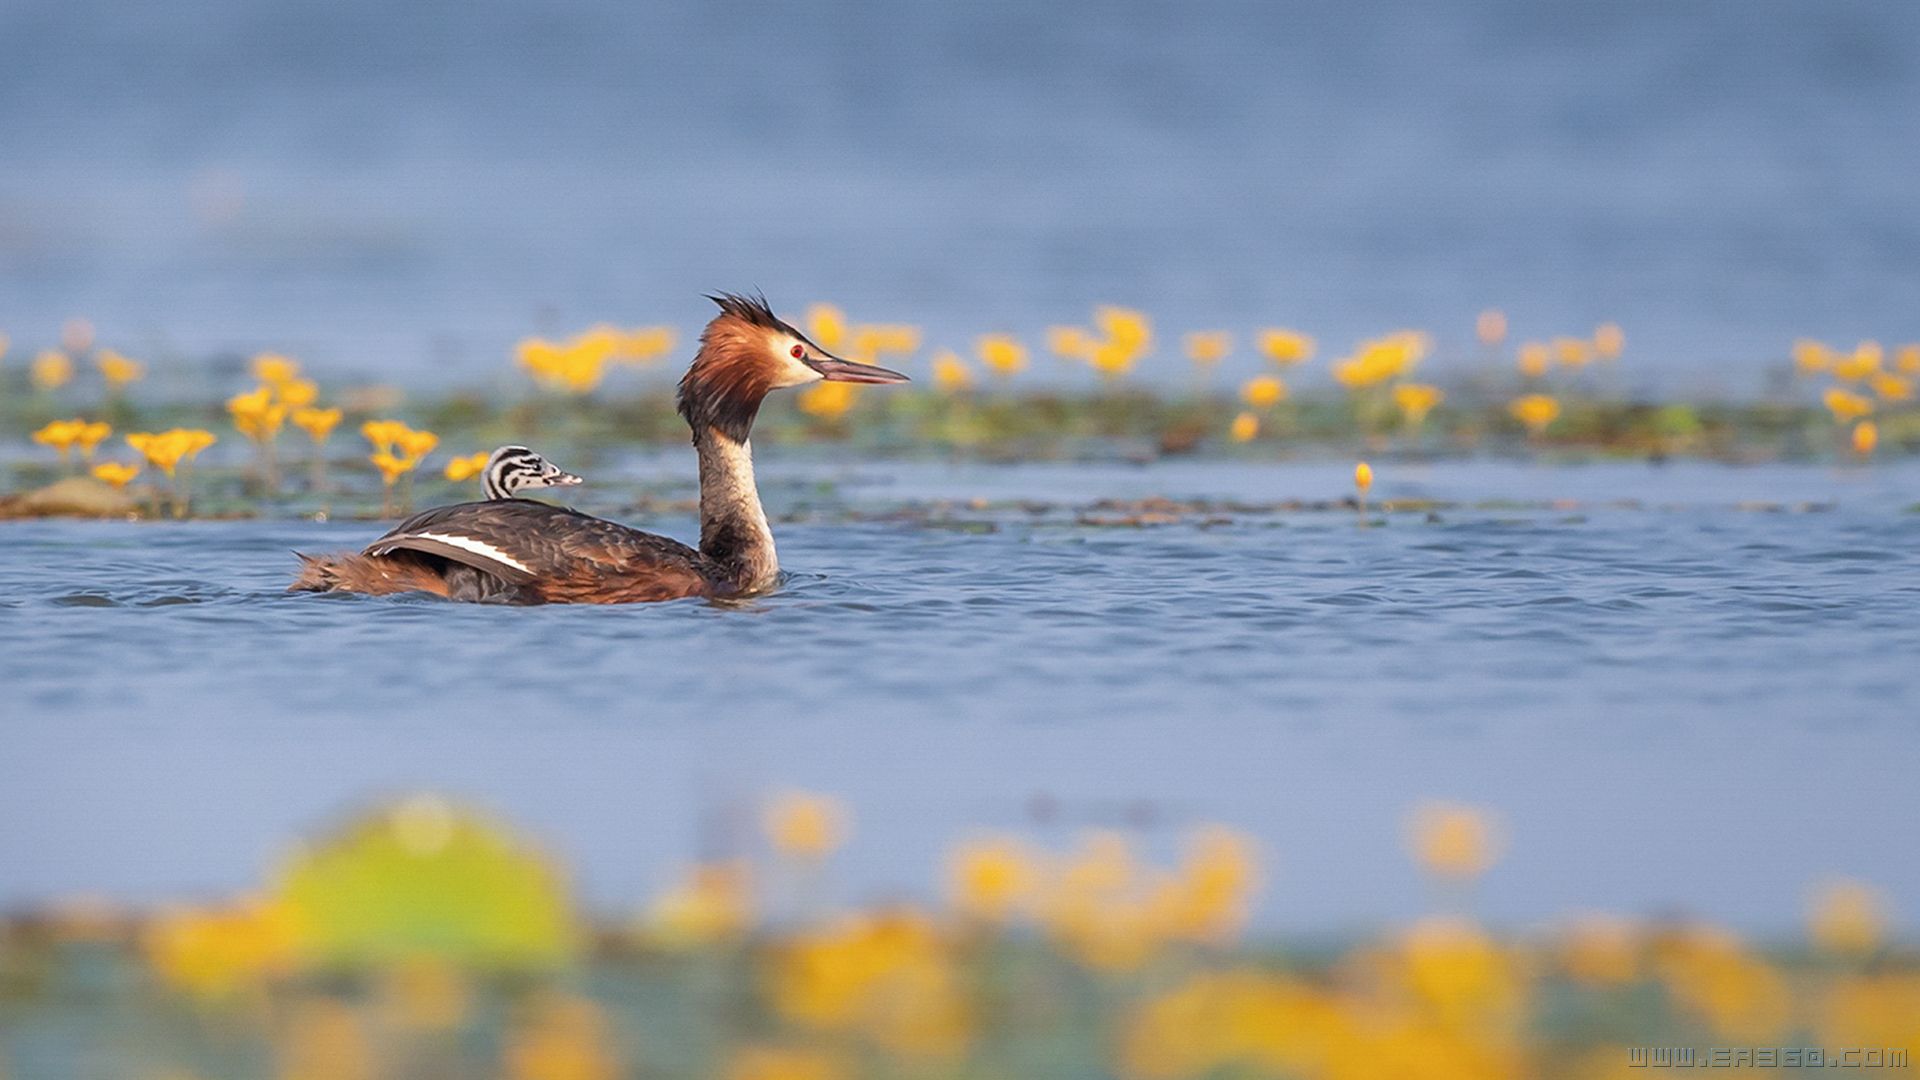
x,y
834,369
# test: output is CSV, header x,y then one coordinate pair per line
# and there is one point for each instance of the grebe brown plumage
x,y
518,551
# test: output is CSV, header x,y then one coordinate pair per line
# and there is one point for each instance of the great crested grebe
x,y
511,470
517,551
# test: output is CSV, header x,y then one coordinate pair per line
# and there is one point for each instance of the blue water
x,y
1676,701
402,190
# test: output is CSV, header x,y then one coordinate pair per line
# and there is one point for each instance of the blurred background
x,y
403,190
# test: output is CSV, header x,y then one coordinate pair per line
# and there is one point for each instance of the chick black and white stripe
x,y
513,469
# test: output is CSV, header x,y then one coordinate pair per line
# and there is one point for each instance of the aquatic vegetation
x,y
1245,427
422,938
425,878
1363,478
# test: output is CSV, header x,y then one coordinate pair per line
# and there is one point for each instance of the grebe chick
x,y
513,469
524,552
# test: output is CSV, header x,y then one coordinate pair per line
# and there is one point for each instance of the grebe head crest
x,y
746,352
513,469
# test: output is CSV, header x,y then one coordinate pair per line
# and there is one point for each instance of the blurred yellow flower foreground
x,y
423,939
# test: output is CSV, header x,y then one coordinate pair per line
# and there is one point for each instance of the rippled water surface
x,y
1675,699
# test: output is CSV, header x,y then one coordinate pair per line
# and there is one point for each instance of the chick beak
x,y
834,369
565,479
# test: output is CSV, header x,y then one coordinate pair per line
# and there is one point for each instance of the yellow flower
x,y
950,373
416,444
1246,427
1572,352
256,414
118,370
1866,436
1002,354
1416,400
712,903
1847,917
468,467
1363,477
1491,327
91,435
1070,342
991,878
889,976
1286,347
1453,841
397,447
296,393
161,452
1810,357
1208,348
274,369
115,473
1891,387
1112,359
1907,359
391,468
828,400
317,423
827,326
1263,391
1533,359
805,825
1536,411
644,344
51,370
1129,330
1381,359
167,449
1845,405
1609,341
383,434
1860,364
60,434
215,952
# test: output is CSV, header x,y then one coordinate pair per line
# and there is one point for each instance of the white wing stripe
x,y
477,547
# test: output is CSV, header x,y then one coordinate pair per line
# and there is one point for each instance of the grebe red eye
x,y
799,351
